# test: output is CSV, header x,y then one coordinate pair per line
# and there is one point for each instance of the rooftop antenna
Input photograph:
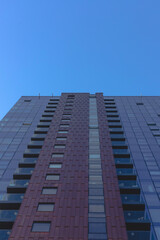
x,y
39,96
52,94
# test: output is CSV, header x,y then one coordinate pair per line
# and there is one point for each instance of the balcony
x,y
109,103
38,137
49,111
46,119
23,173
43,124
119,145
138,226
10,201
28,163
131,198
138,235
7,218
112,115
17,186
49,115
114,125
135,216
127,177
51,106
7,215
121,151
32,153
115,129
4,234
43,130
125,171
113,120
111,111
35,144
123,161
117,137
128,184
110,107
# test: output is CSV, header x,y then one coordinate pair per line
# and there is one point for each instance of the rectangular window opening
x,y
49,191
59,146
41,226
57,155
52,177
45,207
55,165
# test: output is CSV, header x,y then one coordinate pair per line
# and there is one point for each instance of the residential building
x,y
80,166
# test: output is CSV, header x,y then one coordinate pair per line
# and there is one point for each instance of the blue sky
x,y
49,46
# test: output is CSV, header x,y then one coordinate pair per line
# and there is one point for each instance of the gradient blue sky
x,y
78,46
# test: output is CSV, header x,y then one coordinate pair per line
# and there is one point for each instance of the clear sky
x,y
54,46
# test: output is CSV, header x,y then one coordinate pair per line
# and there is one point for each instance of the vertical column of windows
x,y
54,169
97,218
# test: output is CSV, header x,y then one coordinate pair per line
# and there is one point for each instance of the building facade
x,y
80,166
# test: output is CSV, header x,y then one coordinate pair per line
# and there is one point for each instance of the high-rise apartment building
x,y
80,166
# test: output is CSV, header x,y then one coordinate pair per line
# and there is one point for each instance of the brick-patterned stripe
x,y
69,220
116,228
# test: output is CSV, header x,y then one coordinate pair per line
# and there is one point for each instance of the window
x,y
69,105
52,177
96,208
25,123
97,156
140,103
95,178
27,100
55,165
45,207
97,228
59,146
41,226
65,120
61,138
57,155
151,124
49,190
64,125
62,131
